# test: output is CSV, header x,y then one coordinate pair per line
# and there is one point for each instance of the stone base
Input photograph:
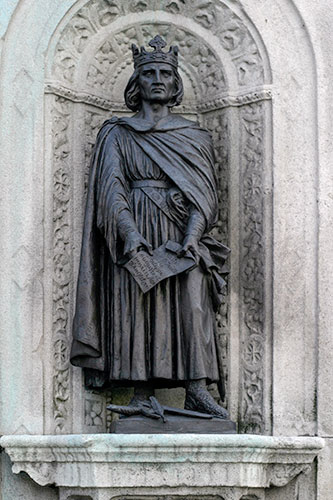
x,y
172,425
173,466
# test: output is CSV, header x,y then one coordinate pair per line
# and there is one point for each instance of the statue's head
x,y
155,77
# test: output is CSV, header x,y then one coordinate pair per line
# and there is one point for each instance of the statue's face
x,y
157,82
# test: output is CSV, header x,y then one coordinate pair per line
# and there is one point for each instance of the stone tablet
x,y
148,270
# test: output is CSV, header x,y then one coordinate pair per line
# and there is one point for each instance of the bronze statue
x,y
152,192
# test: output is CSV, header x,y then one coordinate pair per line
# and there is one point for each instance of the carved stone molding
x,y
227,101
280,475
75,96
160,462
219,102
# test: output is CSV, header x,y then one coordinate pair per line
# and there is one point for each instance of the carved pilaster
x,y
62,261
252,269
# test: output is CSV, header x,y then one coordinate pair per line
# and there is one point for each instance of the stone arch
x,y
233,35
239,118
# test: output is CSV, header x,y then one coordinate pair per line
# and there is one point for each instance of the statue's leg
x,y
199,399
142,392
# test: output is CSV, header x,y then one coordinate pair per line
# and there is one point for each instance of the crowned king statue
x,y
152,195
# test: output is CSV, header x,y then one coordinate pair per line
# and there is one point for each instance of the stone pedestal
x,y
106,466
172,425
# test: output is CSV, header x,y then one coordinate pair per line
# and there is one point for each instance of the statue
x,y
152,195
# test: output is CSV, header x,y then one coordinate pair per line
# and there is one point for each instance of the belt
x,y
152,183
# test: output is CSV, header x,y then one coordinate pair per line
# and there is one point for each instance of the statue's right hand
x,y
134,242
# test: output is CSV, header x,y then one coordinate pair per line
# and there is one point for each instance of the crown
x,y
141,56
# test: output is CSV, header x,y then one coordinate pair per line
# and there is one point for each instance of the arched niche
x,y
226,76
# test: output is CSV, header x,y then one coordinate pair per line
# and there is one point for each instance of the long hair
x,y
133,97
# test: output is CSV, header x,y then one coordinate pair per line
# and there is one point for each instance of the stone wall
x,y
256,75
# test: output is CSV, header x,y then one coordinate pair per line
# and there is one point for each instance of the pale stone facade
x,y
257,75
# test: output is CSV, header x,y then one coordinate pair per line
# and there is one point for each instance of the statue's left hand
x,y
191,244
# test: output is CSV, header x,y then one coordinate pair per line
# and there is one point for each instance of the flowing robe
x,y
168,334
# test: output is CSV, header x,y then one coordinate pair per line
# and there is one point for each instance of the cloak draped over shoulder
x,y
168,333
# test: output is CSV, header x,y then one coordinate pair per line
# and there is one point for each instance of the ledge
x,y
124,461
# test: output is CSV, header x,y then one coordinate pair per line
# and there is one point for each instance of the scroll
x,y
148,270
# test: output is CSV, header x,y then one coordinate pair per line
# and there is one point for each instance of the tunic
x,y
168,334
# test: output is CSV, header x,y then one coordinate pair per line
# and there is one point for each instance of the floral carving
x,y
253,351
62,275
98,70
238,41
252,268
214,16
94,412
114,55
61,353
61,185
